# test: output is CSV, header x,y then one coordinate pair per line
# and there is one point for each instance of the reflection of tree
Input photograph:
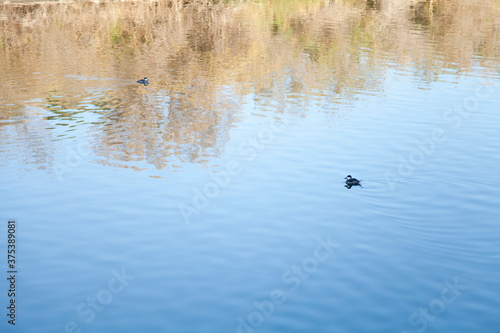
x,y
33,146
163,127
203,59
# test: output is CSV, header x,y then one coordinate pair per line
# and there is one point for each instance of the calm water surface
x,y
213,199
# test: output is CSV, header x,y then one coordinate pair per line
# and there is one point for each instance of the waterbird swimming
x,y
144,81
351,181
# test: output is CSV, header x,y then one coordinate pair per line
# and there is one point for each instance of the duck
x,y
351,181
144,81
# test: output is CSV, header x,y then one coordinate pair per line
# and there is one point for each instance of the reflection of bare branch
x,y
164,126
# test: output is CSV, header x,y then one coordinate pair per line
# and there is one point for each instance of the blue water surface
x,y
260,234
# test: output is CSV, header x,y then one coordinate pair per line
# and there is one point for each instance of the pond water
x,y
214,200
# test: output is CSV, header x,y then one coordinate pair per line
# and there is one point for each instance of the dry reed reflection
x,y
78,61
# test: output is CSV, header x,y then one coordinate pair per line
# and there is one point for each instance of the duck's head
x,y
348,177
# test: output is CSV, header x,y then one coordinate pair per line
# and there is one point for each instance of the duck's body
x,y
351,181
144,81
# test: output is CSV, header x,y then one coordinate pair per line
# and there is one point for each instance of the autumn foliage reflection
x,y
204,57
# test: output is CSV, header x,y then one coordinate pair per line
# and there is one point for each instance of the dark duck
x,y
144,81
351,181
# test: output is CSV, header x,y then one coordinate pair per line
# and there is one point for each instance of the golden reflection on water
x,y
75,64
